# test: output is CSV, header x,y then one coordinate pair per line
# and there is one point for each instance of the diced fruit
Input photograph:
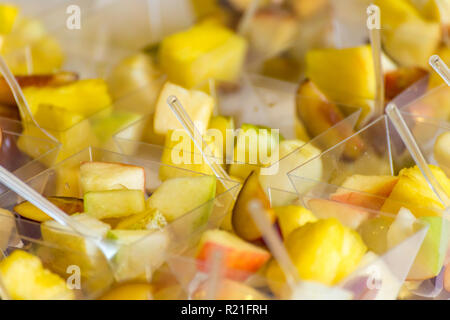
x,y
130,291
102,176
365,191
84,97
238,255
374,233
68,205
64,237
54,118
430,258
414,193
25,278
272,30
227,224
292,217
324,251
150,219
39,80
106,127
181,157
8,14
229,290
198,105
349,216
396,81
114,203
222,124
442,152
352,81
190,193
243,224
255,146
203,52
318,114
407,37
141,252
293,154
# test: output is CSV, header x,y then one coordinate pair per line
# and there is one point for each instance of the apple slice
x,y
442,152
350,216
114,203
141,252
25,278
102,176
66,204
198,105
242,221
222,124
190,193
238,255
292,217
150,219
369,191
398,80
319,114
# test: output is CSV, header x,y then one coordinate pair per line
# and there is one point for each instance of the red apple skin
x,y
397,81
373,199
246,261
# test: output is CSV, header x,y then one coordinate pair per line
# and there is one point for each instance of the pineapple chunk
x,y
203,52
8,15
150,219
197,104
84,97
413,192
25,278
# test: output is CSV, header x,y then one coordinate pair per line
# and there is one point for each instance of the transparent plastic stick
x,y
28,193
375,39
196,136
273,241
22,104
215,274
154,17
441,68
400,125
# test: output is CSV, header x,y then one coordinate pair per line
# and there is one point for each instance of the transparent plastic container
x,y
135,261
384,155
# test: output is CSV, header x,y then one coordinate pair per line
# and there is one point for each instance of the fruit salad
x,y
287,99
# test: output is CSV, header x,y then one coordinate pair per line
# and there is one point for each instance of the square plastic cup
x,y
379,276
384,155
137,260
24,155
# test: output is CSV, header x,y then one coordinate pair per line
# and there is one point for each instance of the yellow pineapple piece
x,y
292,217
205,51
324,251
84,97
25,278
8,15
413,192
352,81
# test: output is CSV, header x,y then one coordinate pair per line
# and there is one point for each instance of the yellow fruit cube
x,y
8,15
352,81
84,97
413,192
205,51
25,278
292,217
